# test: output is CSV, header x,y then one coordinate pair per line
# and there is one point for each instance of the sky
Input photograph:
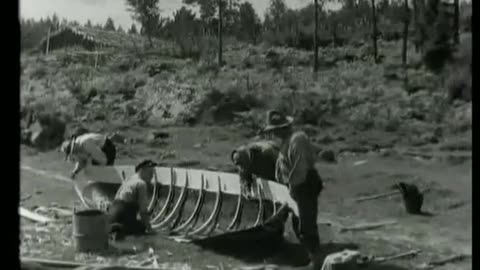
x,y
99,10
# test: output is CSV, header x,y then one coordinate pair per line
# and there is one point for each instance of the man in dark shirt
x,y
256,158
131,199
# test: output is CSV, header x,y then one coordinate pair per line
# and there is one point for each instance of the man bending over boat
x,y
256,158
132,199
89,149
295,168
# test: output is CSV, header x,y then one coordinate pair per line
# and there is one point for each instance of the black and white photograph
x,y
245,134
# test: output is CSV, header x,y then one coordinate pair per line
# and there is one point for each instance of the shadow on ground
x,y
281,252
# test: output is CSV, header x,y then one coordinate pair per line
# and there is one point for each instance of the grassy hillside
x,y
349,92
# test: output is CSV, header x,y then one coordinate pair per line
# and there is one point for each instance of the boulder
x,y
46,132
328,156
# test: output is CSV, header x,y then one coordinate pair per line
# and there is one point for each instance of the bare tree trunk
x,y
48,41
405,40
150,43
315,45
220,33
457,22
374,32
415,23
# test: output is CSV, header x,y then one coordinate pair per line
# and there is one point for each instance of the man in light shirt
x,y
295,168
132,199
89,149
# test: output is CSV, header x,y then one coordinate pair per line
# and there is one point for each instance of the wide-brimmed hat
x,y
146,163
276,120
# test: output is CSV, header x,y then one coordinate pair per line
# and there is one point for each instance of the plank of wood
x,y
33,216
61,212
398,256
377,196
367,226
69,264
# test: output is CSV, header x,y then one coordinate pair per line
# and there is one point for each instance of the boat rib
x,y
153,201
173,213
196,210
214,214
237,215
260,205
169,197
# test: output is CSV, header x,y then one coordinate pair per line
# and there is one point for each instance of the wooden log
x,y
61,212
398,256
368,226
69,264
377,196
33,216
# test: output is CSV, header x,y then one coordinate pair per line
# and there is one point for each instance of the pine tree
x,y
147,13
109,25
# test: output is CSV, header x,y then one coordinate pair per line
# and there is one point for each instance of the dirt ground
x,y
446,232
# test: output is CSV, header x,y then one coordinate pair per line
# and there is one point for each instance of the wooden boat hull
x,y
196,204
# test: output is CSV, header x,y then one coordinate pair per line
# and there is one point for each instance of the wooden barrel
x,y
90,231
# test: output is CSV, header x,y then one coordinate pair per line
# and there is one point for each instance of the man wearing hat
x,y
295,168
90,148
132,199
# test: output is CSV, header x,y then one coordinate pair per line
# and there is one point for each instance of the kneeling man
x,y
132,199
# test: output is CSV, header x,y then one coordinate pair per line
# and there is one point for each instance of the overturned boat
x,y
197,205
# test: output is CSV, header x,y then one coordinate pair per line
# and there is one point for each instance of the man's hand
x,y
246,190
148,228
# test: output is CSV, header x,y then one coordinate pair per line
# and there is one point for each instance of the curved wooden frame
x,y
171,215
195,211
238,213
168,200
260,215
216,210
153,201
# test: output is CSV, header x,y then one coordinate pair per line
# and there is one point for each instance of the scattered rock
x,y
328,156
326,139
456,205
360,162
160,134
457,159
26,197
198,145
456,146
388,152
156,138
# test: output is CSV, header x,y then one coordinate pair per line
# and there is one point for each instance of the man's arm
x,y
81,163
143,205
299,155
94,152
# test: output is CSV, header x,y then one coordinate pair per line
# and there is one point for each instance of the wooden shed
x,y
90,39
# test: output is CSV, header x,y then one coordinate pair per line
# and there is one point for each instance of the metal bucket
x,y
90,231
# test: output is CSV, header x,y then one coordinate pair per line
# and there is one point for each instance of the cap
x,y
144,164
